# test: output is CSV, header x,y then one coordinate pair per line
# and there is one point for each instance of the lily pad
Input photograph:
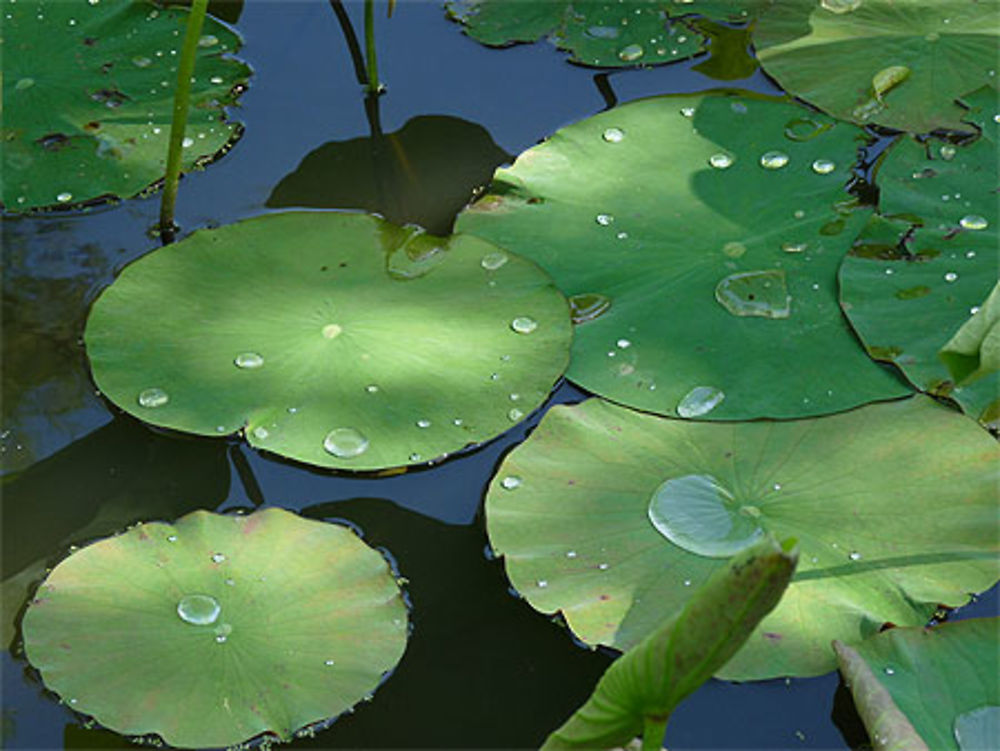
x,y
974,350
604,34
88,99
896,63
216,629
339,340
889,525
943,679
933,259
698,238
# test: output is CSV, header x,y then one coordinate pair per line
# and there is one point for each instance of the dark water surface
x,y
482,669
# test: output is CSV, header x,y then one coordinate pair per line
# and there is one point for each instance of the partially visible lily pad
x,y
603,34
698,239
615,517
933,259
896,63
88,98
974,350
217,629
339,340
944,680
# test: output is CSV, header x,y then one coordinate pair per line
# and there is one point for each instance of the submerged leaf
x,y
216,629
645,685
889,524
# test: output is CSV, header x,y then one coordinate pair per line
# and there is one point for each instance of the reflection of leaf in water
x,y
422,174
120,474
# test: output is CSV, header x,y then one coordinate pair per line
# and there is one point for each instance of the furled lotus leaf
x,y
216,629
933,260
88,98
943,680
974,350
711,227
335,339
612,34
897,63
615,517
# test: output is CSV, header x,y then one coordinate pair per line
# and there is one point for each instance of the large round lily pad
x,y
914,279
217,628
614,517
943,679
699,239
897,63
88,98
606,34
335,339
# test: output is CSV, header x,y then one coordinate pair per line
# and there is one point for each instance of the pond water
x,y
482,669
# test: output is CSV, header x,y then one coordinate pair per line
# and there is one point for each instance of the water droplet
x,y
230,582
631,53
331,331
700,401
261,433
840,6
687,111
973,310
623,344
613,135
602,32
345,443
720,160
700,515
587,306
218,558
604,219
154,397
542,583
802,129
823,166
328,663
951,276
510,482
371,388
734,249
248,360
514,397
794,247
171,538
890,671
571,554
854,555
423,423
24,83
947,152
738,107
215,80
622,235
603,566
755,293
515,414
220,428
494,260
973,221
773,159
199,610
687,582
524,324
208,40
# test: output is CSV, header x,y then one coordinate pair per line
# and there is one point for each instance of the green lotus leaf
x,y
339,340
615,517
644,686
933,259
216,629
943,680
605,34
974,350
701,291
88,98
897,63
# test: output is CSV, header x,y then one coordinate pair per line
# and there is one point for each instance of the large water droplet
x,y
331,331
951,276
154,397
840,6
755,293
588,306
208,40
494,260
699,514
791,247
613,135
823,166
604,219
515,414
974,222
524,324
630,53
978,728
510,482
773,159
720,160
602,32
345,443
248,360
200,610
700,401
423,423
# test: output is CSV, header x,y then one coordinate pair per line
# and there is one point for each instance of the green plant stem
x,y
652,733
182,98
373,83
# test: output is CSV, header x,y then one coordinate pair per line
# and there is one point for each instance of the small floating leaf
x,y
218,647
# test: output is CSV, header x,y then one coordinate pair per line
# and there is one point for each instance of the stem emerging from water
x,y
182,98
652,733
373,83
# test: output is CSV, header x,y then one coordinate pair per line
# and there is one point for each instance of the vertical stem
x,y
373,83
182,98
352,41
652,733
